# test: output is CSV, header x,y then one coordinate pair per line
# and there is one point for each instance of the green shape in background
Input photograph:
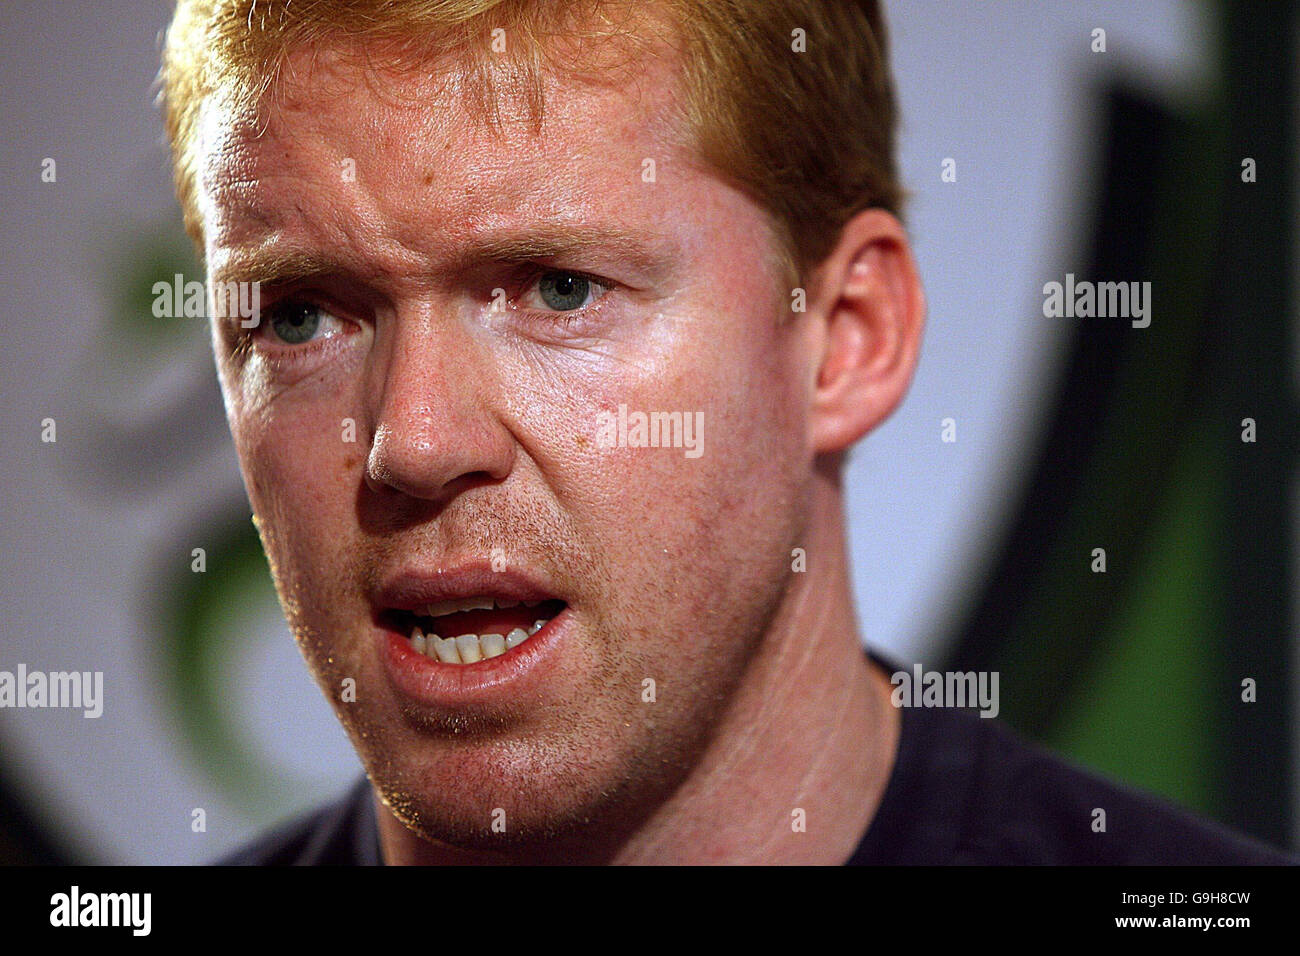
x,y
201,638
1144,712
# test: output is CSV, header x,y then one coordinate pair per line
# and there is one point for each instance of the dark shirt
x,y
964,789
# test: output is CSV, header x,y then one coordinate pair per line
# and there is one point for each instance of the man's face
x,y
419,418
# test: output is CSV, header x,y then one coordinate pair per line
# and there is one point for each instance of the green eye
x,y
296,322
564,291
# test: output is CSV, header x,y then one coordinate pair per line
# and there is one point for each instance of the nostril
x,y
440,460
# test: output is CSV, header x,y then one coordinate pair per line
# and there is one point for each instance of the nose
x,y
436,431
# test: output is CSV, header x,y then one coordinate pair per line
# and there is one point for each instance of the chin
x,y
511,791
501,795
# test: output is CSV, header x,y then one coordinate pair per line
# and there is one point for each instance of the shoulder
x,y
339,833
1027,805
968,789
1032,806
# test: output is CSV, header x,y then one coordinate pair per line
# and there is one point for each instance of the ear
x,y
868,301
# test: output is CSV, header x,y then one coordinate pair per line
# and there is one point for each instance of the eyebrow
x,y
650,256
270,266
554,242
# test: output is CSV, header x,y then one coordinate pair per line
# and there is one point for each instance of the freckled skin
x,y
475,431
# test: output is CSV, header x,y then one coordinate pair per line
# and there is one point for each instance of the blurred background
x,y
1126,163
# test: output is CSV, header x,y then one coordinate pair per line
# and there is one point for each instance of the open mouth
x,y
472,629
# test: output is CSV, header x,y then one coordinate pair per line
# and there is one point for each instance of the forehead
x,y
344,145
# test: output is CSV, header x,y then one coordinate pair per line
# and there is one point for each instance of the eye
x,y
295,321
566,291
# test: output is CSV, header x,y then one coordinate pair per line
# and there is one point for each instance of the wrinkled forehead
x,y
443,119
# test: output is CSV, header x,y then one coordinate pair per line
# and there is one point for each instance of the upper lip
x,y
412,589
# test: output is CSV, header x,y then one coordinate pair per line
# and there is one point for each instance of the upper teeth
x,y
477,603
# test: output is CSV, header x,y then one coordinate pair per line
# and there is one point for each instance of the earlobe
x,y
871,301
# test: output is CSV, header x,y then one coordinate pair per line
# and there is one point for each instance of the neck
x,y
799,762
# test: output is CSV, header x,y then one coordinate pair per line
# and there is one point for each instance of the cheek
x,y
299,466
696,522
741,494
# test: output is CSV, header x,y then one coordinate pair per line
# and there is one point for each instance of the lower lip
x,y
424,680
